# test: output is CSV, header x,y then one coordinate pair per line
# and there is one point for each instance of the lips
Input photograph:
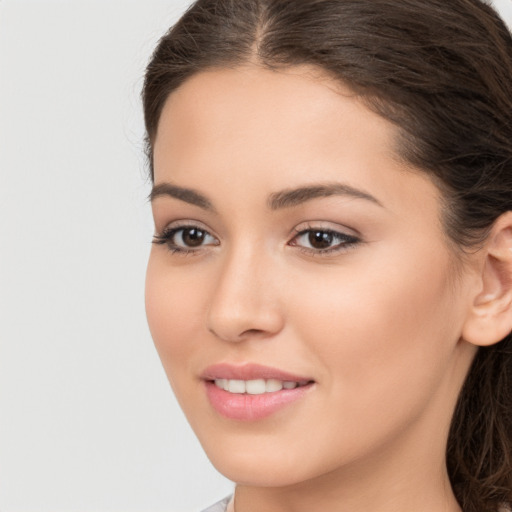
x,y
251,392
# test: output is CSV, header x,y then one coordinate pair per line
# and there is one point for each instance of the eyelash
x,y
168,234
345,241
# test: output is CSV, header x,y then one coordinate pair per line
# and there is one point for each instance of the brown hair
x,y
441,71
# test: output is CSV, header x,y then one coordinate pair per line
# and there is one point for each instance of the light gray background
x,y
87,420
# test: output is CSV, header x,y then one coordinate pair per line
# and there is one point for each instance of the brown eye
x,y
320,239
192,237
185,239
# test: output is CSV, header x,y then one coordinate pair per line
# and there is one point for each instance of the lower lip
x,y
246,407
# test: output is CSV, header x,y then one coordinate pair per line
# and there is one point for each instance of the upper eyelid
x,y
172,230
339,234
337,249
184,224
326,226
166,236
300,229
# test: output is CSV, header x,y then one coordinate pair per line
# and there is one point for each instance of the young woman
x,y
330,286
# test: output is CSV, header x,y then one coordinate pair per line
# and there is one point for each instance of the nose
x,y
245,303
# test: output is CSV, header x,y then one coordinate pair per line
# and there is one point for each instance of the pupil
x,y
320,239
193,237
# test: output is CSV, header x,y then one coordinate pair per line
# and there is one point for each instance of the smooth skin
x,y
377,307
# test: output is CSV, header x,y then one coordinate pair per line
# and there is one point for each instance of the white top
x,y
225,505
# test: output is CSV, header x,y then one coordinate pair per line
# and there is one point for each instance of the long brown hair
x,y
441,71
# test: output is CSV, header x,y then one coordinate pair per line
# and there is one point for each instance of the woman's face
x,y
295,251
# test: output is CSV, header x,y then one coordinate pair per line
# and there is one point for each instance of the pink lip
x,y
245,407
249,372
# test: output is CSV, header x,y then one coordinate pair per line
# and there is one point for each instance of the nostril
x,y
248,333
251,332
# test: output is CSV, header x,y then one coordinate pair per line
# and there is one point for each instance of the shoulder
x,y
220,506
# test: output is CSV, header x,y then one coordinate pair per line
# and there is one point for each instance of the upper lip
x,y
249,371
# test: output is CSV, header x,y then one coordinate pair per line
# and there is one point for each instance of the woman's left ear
x,y
490,316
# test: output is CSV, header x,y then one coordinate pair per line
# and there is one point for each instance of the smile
x,y
252,392
256,386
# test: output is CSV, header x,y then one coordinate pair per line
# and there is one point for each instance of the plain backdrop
x,y
87,419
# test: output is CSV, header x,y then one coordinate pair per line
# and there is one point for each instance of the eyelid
x,y
166,235
349,238
322,225
183,223
345,237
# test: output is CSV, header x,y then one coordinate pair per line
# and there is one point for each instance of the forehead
x,y
260,131
217,86
284,112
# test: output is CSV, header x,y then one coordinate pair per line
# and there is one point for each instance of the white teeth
x,y
273,385
221,383
236,386
254,387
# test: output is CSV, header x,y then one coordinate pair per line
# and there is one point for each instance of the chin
x,y
258,472
263,460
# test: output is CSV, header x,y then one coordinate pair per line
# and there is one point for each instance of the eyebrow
x,y
278,200
297,196
183,194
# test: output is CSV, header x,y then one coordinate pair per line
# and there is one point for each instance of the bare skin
x,y
352,285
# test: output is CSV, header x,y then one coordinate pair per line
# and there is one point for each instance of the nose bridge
x,y
244,302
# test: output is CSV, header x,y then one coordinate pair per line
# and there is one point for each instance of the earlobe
x,y
490,316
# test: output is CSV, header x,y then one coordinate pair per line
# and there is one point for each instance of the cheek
x,y
377,327
174,309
